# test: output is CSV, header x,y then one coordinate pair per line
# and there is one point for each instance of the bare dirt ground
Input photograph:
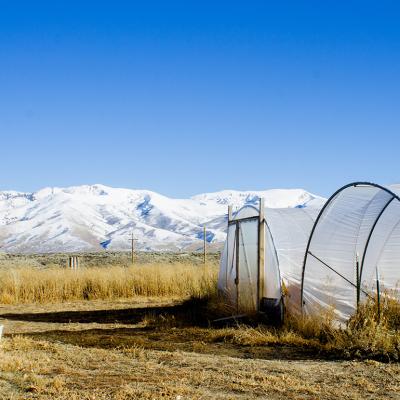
x,y
124,350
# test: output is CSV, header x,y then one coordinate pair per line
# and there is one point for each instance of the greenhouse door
x,y
247,265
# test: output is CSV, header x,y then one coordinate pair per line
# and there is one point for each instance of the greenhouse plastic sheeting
x,y
287,233
227,271
290,230
248,266
244,235
272,276
360,225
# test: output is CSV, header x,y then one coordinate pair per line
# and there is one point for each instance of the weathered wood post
x,y
261,253
229,214
237,259
227,241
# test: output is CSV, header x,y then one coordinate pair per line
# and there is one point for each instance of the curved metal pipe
x,y
328,202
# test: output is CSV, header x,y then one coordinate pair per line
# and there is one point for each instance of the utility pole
x,y
204,244
132,240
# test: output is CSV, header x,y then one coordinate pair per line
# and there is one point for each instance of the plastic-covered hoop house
x,y
328,258
264,247
353,251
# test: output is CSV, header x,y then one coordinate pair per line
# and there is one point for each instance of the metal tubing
x,y
370,234
328,202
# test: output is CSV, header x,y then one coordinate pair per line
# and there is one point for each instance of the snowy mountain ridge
x,y
78,218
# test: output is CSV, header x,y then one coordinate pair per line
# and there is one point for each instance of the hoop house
x,y
264,247
353,251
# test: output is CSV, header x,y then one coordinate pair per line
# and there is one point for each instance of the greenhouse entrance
x,y
249,273
245,259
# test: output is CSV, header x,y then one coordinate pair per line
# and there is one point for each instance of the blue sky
x,y
199,96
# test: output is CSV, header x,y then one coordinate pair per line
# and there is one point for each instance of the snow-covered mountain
x,y
79,218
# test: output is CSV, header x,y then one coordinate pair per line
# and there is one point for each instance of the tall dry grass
x,y
30,285
368,335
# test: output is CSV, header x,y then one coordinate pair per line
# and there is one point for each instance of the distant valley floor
x,y
104,259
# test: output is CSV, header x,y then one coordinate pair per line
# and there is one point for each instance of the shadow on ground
x,y
171,339
182,327
122,316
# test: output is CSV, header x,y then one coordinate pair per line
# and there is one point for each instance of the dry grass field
x,y
144,332
30,285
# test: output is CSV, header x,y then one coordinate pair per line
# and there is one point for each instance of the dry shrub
x,y
29,285
372,334
321,327
368,335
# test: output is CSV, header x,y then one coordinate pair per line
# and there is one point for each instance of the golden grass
x,y
195,361
367,335
32,368
30,285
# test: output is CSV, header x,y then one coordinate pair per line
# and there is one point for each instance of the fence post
x,y
73,262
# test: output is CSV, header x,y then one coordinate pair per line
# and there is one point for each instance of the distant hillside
x,y
79,218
